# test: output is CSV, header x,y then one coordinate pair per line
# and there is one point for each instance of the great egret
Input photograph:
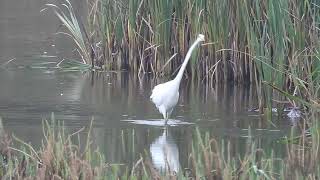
x,y
165,96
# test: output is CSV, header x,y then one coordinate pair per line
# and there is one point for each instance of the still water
x,y
120,106
126,123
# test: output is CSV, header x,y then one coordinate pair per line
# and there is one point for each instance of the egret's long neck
x,y
185,62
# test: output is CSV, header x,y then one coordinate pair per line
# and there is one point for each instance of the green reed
x,y
247,41
272,31
74,29
62,156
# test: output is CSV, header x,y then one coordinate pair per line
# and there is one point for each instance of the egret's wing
x,y
157,95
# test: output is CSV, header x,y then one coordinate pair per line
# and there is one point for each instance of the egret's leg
x,y
164,115
169,113
166,130
166,119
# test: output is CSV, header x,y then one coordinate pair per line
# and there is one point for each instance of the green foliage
x,y
61,156
247,41
72,24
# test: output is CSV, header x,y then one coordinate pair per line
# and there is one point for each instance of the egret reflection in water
x,y
165,153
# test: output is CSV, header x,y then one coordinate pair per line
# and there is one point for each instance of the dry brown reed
x,y
60,158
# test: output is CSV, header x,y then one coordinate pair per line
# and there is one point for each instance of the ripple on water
x,y
157,122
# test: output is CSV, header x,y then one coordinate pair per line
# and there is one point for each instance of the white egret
x,y
165,96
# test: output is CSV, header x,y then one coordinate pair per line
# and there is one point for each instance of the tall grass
x,y
256,35
74,29
247,41
67,156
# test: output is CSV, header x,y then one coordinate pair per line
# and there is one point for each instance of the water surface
x,y
125,121
120,105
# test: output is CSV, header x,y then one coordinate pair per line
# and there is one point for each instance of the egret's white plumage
x,y
165,96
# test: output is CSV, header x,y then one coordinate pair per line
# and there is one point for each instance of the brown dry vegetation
x,y
273,44
61,158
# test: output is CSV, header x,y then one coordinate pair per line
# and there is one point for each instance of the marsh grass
x,y
57,158
74,30
247,41
147,33
61,156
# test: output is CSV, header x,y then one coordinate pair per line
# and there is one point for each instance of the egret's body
x,y
165,96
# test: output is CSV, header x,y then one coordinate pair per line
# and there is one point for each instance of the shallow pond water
x,y
123,114
126,123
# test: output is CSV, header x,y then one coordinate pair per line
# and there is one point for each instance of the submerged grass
x,y
65,156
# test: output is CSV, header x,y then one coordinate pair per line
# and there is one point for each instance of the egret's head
x,y
201,37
